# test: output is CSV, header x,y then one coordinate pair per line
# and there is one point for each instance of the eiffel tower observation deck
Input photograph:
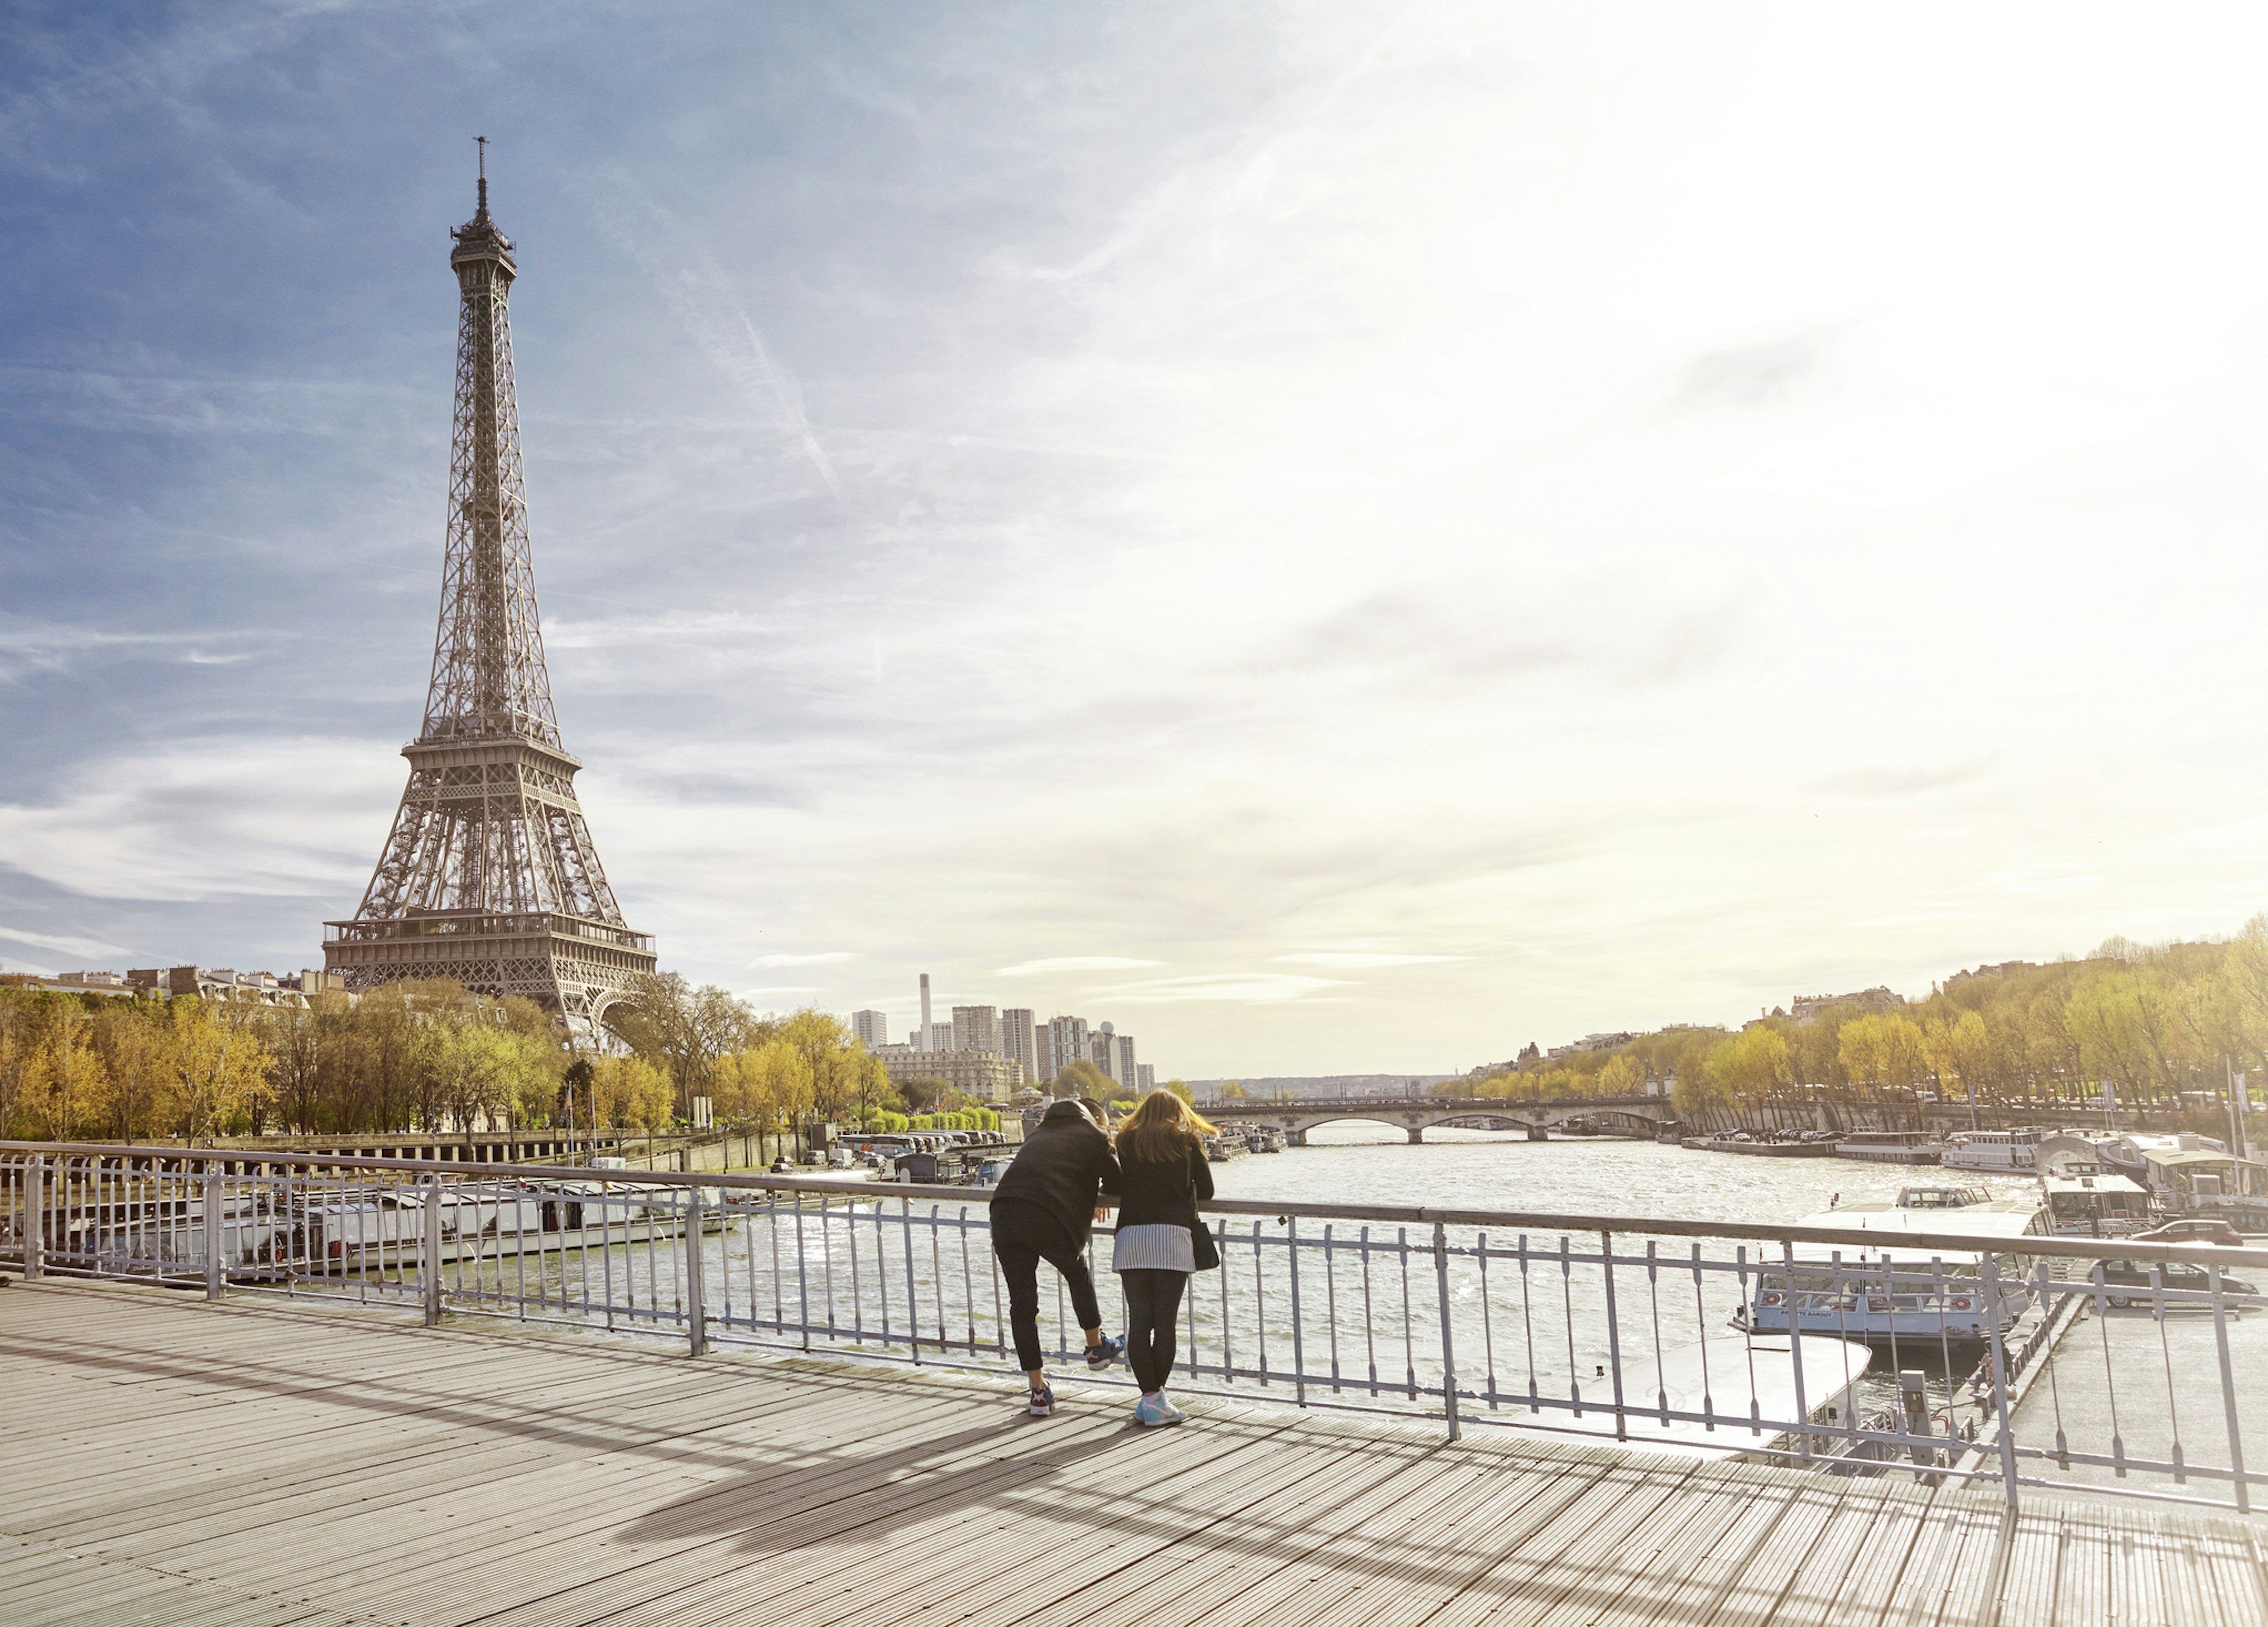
x,y
490,875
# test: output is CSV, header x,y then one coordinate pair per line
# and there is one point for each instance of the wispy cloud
x,y
91,949
1351,960
1245,987
1074,963
826,958
702,295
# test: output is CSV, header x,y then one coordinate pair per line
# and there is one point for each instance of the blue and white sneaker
x,y
1043,1402
1100,1356
1151,1411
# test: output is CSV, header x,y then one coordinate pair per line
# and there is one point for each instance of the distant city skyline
x,y
1334,539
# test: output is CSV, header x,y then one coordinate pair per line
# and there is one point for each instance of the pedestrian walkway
x,y
164,1460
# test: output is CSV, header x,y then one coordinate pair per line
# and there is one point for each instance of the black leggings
x,y
1153,1304
1022,1237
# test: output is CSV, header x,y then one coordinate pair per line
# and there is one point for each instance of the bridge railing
x,y
2032,1361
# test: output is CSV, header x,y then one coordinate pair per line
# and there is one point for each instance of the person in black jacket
x,y
1163,1177
1045,1208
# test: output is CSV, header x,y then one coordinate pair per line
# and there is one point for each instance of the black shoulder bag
x,y
1203,1250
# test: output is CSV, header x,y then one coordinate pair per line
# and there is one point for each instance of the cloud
x,y
90,949
1895,782
1351,960
1074,963
1247,988
27,648
212,817
827,957
1755,376
701,294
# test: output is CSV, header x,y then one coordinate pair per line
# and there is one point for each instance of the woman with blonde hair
x,y
1163,1177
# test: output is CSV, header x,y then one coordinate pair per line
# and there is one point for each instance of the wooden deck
x,y
164,1460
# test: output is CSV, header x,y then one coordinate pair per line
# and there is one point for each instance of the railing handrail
x,y
1515,1220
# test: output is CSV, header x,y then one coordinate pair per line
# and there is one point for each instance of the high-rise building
x,y
1043,1053
1123,1046
937,1037
872,1028
1067,1042
921,1034
489,875
1146,1079
977,1028
1018,1041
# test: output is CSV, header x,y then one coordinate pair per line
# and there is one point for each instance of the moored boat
x,y
1879,1291
2002,1152
1891,1147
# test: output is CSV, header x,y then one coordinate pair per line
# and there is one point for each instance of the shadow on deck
x,y
165,1460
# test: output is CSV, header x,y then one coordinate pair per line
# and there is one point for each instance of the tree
x,y
1623,1074
1177,1088
1231,1091
1082,1077
125,1038
217,1070
1960,1052
684,1030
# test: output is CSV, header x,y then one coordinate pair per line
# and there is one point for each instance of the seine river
x,y
1486,1169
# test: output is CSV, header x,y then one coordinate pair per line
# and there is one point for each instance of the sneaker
x,y
1173,1414
1044,1403
1100,1356
1151,1410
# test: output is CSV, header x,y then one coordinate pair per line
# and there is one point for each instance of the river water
x,y
1364,1163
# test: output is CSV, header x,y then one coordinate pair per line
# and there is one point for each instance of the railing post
x,y
1990,1269
2229,1392
429,1259
1795,1303
36,1217
697,1321
215,1276
1448,1331
1614,1332
1299,1347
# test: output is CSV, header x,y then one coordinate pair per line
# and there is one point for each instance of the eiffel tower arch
x,y
489,875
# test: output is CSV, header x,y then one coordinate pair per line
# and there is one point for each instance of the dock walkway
x,y
163,1461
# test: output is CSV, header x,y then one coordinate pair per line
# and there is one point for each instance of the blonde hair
x,y
1161,1129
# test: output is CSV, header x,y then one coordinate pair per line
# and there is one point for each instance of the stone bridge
x,y
1642,1117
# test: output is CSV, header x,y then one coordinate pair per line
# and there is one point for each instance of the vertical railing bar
x,y
2228,1391
913,1293
1299,1347
1795,1353
1614,1334
1448,1332
1989,1271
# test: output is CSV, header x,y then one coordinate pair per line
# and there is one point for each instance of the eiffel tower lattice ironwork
x,y
489,875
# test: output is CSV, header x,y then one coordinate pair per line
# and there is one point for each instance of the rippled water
x,y
1355,1163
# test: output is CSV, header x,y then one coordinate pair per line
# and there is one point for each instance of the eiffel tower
x,y
490,876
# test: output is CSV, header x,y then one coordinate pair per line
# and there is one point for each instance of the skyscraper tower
x,y
489,875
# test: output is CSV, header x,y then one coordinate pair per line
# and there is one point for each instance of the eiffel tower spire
x,y
489,875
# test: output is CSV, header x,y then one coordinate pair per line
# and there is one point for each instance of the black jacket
x,y
1163,1194
1063,1166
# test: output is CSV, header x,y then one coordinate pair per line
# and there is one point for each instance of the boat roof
x,y
2091,1183
2008,1218
2196,1155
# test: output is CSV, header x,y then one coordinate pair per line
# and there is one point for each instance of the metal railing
x,y
1959,1358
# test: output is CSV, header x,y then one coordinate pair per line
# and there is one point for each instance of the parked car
x,y
2126,1281
2193,1232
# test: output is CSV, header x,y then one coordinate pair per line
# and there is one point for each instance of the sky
x,y
1341,538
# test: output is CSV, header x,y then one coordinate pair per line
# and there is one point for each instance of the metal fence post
x,y
1990,1268
35,1216
697,1320
2229,1392
429,1260
1613,1332
215,1275
1448,1332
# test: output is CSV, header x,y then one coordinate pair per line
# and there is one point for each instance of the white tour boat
x,y
2002,1152
2096,1205
1882,1290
